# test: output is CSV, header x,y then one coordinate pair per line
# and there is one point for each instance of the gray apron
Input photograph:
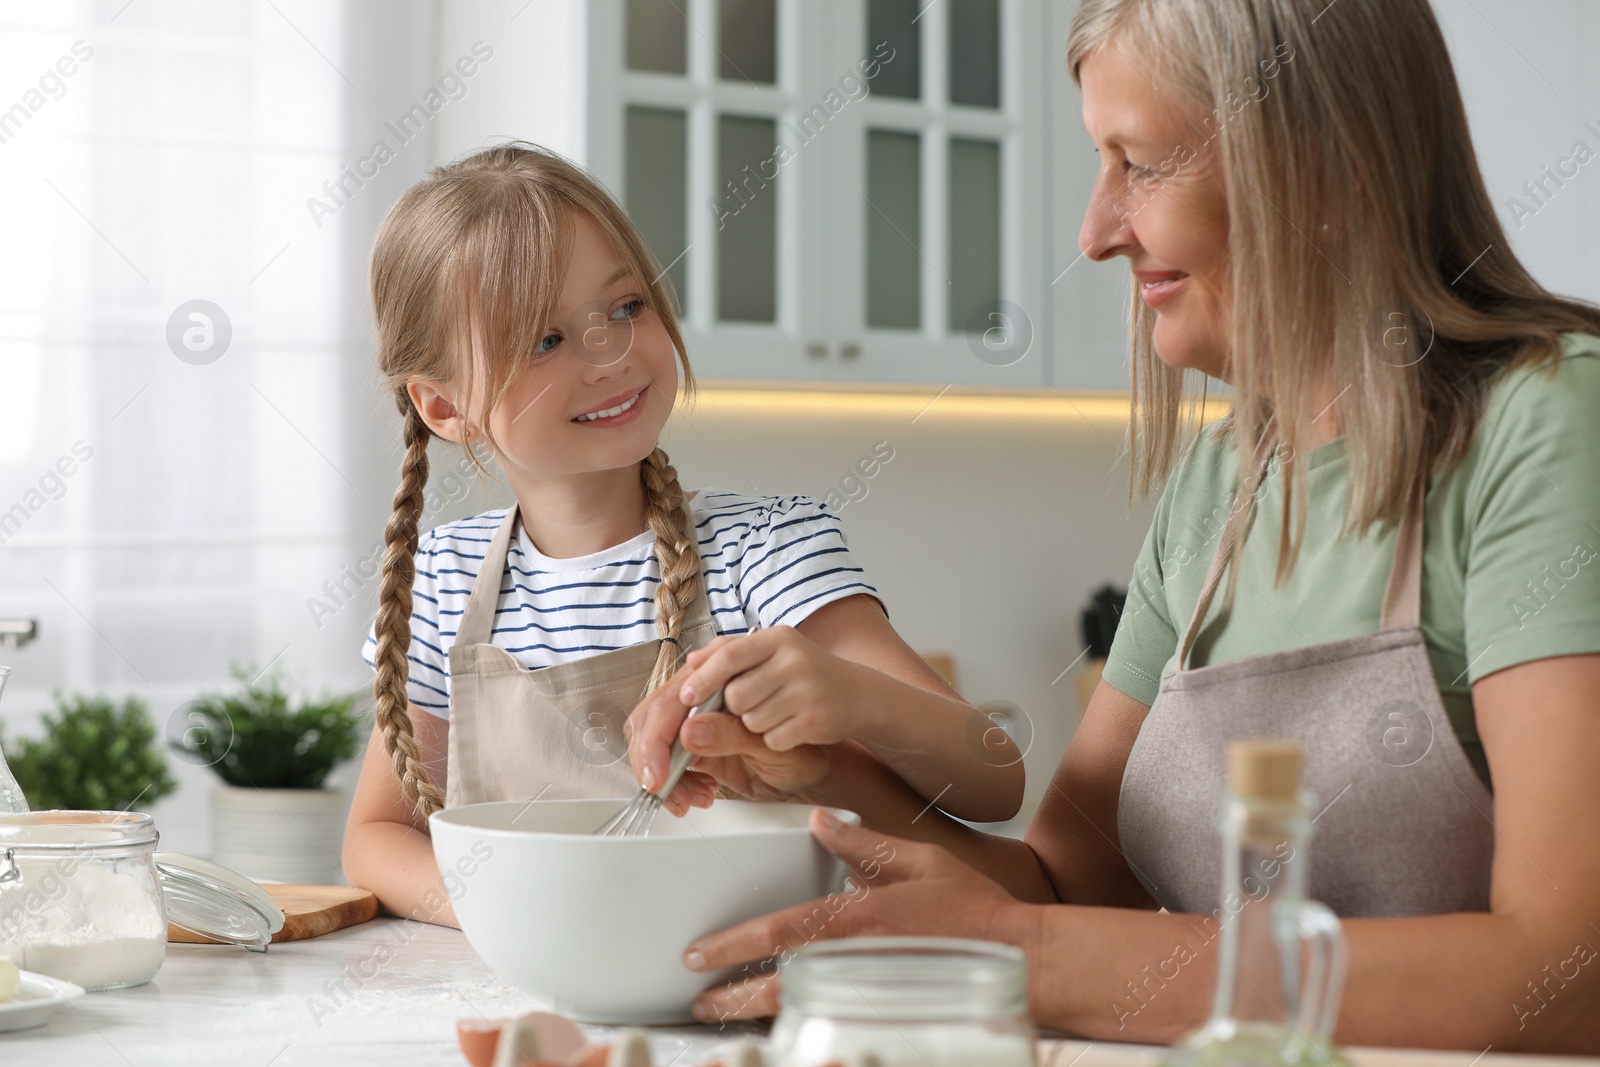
x,y
1401,820
554,733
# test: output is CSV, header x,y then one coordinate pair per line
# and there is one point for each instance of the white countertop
x,y
385,992
389,992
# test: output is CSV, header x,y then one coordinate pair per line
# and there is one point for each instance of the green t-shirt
x,y
1511,550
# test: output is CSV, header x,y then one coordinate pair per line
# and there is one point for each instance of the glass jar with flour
x,y
911,1001
79,896
85,897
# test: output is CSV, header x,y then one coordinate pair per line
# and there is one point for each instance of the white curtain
x,y
167,510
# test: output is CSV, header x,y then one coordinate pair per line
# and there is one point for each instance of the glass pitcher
x,y
12,801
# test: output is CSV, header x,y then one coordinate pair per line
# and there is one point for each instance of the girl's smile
x,y
624,407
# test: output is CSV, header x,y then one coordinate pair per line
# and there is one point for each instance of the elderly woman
x,y
1405,503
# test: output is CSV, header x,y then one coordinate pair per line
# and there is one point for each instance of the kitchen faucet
x,y
14,633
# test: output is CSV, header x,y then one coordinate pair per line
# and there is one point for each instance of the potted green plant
x,y
94,756
272,817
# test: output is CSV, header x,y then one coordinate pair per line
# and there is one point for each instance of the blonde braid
x,y
669,519
393,629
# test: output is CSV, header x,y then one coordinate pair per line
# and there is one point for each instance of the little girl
x,y
520,315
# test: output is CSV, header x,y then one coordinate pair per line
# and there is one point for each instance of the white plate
x,y
38,998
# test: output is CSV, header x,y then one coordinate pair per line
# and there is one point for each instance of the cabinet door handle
x,y
816,350
850,350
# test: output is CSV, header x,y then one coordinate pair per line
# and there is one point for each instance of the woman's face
x,y
1160,202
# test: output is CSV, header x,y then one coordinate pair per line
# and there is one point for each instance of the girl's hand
x,y
899,887
780,684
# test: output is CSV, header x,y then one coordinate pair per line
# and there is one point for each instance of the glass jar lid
x,y
85,833
212,901
906,978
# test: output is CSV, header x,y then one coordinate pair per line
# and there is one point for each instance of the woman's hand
x,y
783,697
898,887
726,752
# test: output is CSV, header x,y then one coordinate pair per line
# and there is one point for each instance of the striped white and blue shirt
x,y
767,560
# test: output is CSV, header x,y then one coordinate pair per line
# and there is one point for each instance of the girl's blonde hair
x,y
466,271
1357,219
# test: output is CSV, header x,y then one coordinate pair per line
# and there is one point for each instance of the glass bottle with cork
x,y
11,798
1281,957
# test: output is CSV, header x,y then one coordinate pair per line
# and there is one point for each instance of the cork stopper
x,y
1264,770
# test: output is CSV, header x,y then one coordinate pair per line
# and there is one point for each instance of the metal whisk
x,y
636,816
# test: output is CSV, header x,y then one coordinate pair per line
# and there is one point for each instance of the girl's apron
x,y
552,733
1403,822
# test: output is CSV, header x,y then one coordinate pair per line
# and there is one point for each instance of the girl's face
x,y
1160,203
601,381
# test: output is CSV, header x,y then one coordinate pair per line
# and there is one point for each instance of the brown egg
x,y
561,1042
478,1038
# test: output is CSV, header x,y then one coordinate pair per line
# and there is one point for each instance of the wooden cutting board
x,y
308,911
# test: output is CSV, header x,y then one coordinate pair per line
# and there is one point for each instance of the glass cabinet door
x,y
938,194
704,163
837,189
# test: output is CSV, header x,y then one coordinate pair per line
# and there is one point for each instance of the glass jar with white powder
x,y
79,896
912,1001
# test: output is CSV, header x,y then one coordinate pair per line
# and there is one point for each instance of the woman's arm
x,y
843,674
1524,976
846,775
1071,853
386,849
864,785
1074,832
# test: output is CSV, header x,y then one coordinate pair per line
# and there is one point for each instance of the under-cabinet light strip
x,y
1102,407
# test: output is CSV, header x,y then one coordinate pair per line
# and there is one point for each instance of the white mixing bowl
x,y
597,927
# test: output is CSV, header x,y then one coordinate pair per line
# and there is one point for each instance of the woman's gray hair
x,y
1363,248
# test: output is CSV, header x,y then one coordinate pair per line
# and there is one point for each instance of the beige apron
x,y
1403,822
553,733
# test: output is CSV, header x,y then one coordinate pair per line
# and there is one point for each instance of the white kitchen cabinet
x,y
848,191
1088,303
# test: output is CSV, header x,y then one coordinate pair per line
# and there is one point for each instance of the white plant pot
x,y
279,835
